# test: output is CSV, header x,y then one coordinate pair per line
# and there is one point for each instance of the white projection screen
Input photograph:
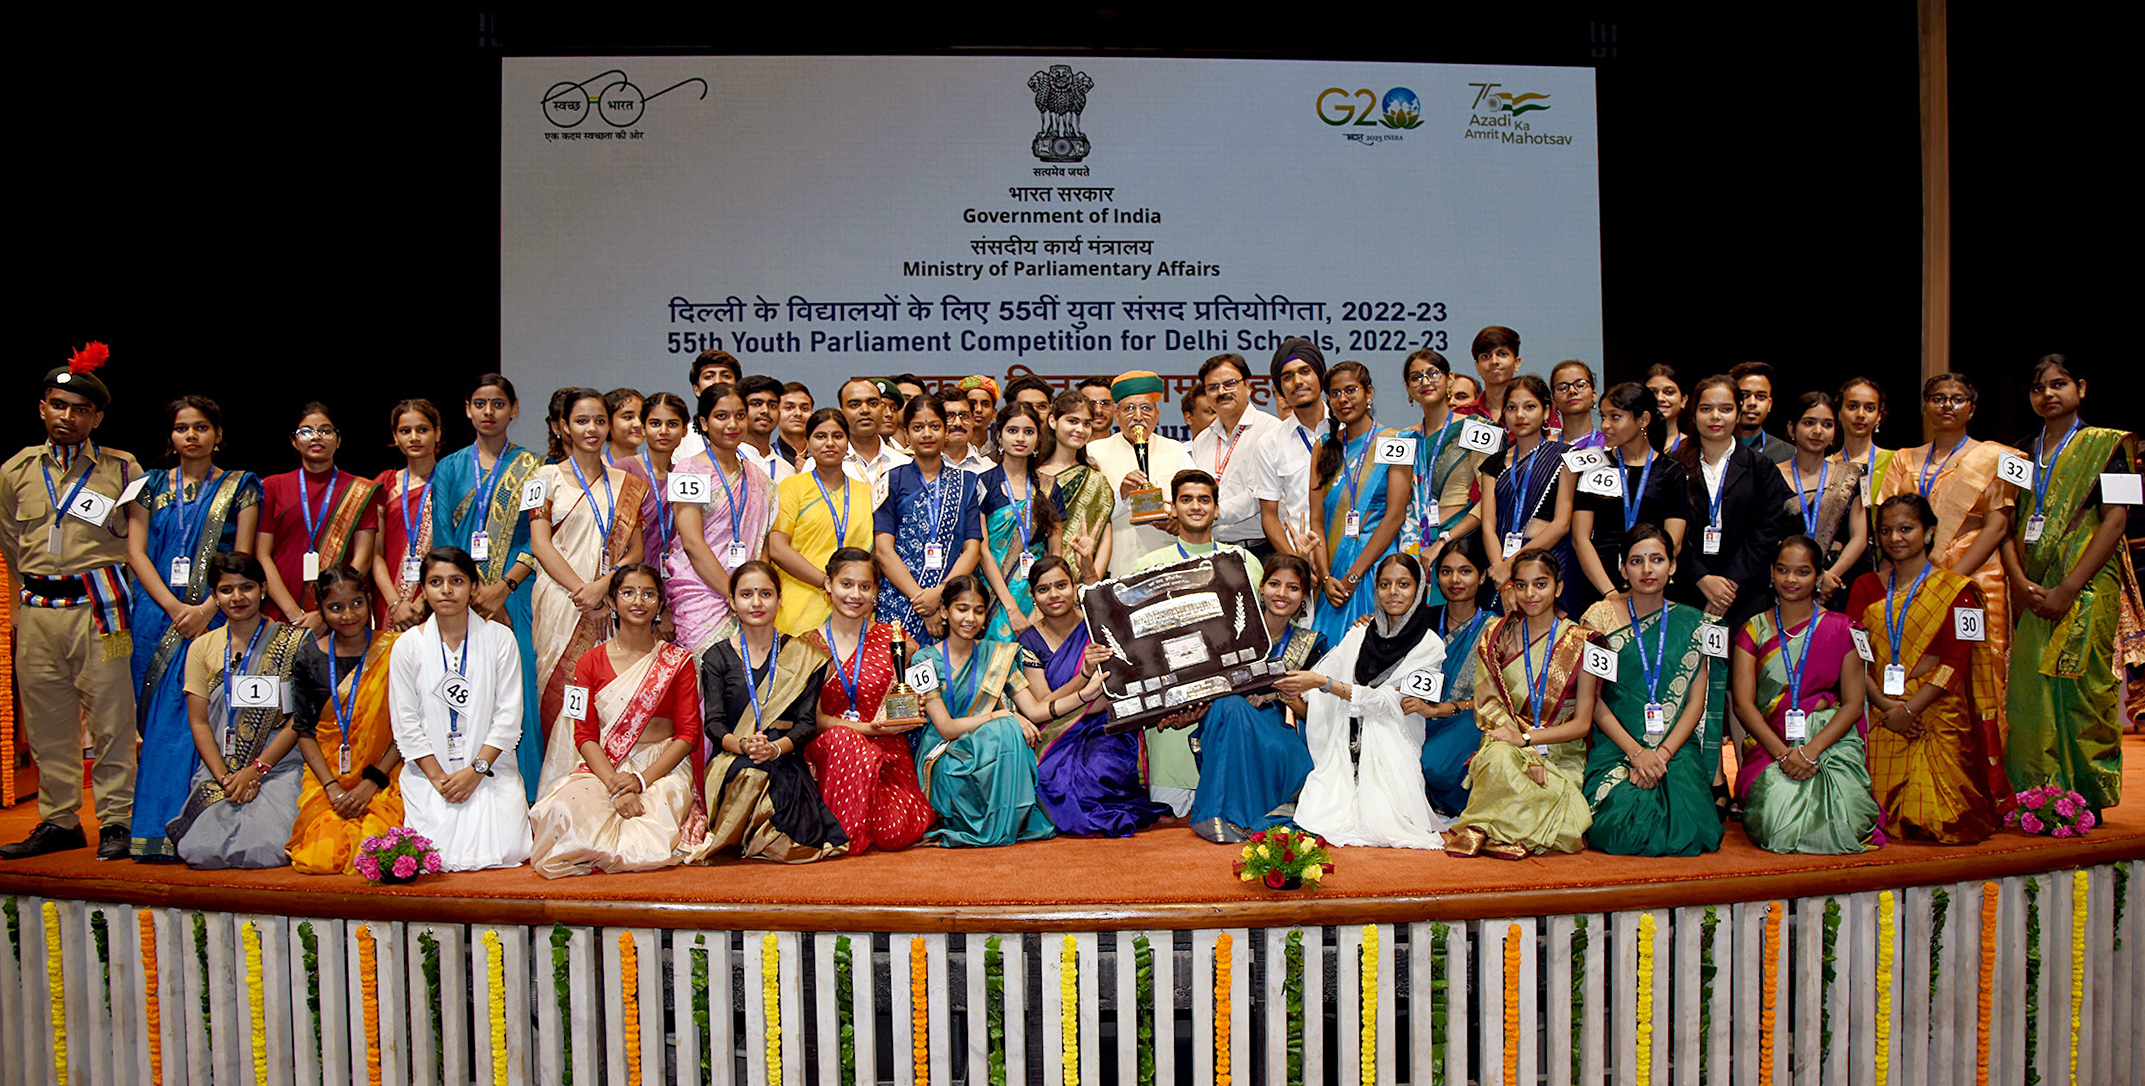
x,y
821,217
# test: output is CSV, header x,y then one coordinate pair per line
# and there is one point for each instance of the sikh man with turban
x,y
1138,396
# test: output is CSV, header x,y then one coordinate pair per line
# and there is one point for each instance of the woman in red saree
x,y
866,771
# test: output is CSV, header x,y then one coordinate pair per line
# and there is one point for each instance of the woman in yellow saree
x,y
344,731
2066,575
1935,759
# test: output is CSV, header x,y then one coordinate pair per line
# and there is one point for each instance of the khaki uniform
x,y
72,651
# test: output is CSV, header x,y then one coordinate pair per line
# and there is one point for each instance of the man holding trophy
x,y
1138,461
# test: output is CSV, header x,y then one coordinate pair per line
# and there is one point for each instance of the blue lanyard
x,y
335,691
1444,623
1524,473
481,497
841,526
603,516
454,717
1020,510
1362,464
1428,468
409,531
1894,624
737,515
1811,503
974,673
178,492
245,662
1304,436
2040,470
1795,667
1537,688
752,686
59,508
936,489
1631,507
1713,502
1280,648
1650,669
663,513
314,522
1931,470
852,676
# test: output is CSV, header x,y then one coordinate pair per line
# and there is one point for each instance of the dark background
x,y
229,199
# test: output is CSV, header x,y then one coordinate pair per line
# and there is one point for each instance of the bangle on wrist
x,y
376,775
261,765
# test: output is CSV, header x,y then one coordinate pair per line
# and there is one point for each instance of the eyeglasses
x,y
1135,408
1216,388
310,433
631,593
1345,390
1942,400
1424,377
1573,386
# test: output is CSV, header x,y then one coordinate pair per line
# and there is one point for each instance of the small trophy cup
x,y
901,705
1147,506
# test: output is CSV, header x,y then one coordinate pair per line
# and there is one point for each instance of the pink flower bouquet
x,y
2052,811
397,856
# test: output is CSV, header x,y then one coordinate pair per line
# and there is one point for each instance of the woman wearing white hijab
x,y
1365,735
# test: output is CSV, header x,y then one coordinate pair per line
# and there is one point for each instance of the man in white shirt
x,y
1283,483
959,451
1139,398
712,367
763,399
870,459
1227,450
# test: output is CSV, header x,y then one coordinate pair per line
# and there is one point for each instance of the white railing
x,y
100,993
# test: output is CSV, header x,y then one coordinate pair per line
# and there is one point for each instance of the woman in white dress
x,y
1365,735
456,698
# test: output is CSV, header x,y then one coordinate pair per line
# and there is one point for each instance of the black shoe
x,y
47,837
115,842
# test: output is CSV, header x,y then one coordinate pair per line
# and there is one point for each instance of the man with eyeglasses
x,y
1227,450
63,529
1571,384
1753,402
1033,391
960,448
1283,486
1139,397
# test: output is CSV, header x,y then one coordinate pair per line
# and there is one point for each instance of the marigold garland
x,y
1887,930
771,1002
1769,991
56,980
154,1007
1645,998
1069,1008
2081,885
1369,1074
919,1010
1222,1023
495,969
1986,991
249,939
629,971
1511,1004
7,708
369,1000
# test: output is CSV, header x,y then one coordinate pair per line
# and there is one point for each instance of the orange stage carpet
x,y
1162,877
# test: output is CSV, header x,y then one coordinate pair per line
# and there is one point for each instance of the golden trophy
x,y
1147,502
902,705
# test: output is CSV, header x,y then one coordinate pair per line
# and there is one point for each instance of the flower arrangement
x,y
397,856
2053,812
1284,859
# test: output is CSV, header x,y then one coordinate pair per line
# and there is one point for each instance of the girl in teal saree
x,y
977,764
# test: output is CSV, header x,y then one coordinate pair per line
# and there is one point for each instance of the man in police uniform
x,y
62,528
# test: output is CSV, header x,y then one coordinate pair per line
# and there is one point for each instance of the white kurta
x,y
1284,471
491,827
1114,457
1380,800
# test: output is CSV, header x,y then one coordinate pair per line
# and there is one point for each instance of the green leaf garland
x,y
201,955
1827,976
994,1007
845,1008
1143,1006
561,991
103,939
1706,972
1440,997
699,957
1292,997
2033,979
1578,992
428,946
1940,907
309,942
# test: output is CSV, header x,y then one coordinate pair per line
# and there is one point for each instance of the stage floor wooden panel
x,y
1166,875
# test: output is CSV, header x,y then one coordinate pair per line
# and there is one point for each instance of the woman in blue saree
x,y
927,531
1450,737
1018,529
977,764
183,518
1363,502
477,505
1090,783
1251,751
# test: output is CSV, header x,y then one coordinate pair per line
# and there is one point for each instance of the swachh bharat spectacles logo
x,y
611,96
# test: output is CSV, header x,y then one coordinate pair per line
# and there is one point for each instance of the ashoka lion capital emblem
x,y
1060,97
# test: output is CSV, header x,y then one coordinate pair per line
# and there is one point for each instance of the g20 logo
x,y
1398,108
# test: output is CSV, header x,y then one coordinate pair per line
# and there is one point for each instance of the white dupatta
x,y
1380,802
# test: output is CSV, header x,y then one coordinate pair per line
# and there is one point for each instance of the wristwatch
x,y
483,766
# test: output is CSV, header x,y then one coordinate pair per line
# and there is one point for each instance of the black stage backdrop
x,y
280,207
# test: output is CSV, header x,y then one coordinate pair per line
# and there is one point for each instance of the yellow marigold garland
x,y
1645,998
1887,930
369,992
771,1001
56,981
629,969
1369,1073
249,939
495,969
154,1007
1769,991
1986,991
1069,1007
1511,1003
1222,954
919,1010
2081,885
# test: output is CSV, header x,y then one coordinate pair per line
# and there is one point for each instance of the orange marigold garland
x,y
153,1007
369,992
1986,992
629,970
1512,937
1769,991
919,1010
1222,954
7,707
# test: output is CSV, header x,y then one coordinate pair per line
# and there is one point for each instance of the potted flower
x,y
1283,859
396,857
2052,811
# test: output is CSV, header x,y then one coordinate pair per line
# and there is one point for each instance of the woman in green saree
x,y
2062,563
977,765
1082,494
1650,791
